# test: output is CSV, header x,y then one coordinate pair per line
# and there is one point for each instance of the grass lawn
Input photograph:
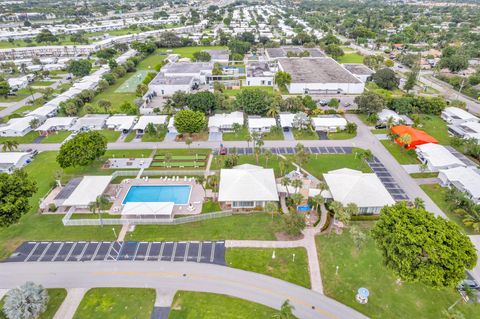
x,y
112,136
268,89
57,137
26,139
351,58
210,207
244,226
116,303
436,127
160,136
241,135
273,135
379,131
402,156
437,194
364,119
42,83
56,297
13,98
305,134
202,305
387,299
343,135
282,267
130,136
424,175
115,98
272,162
151,61
187,52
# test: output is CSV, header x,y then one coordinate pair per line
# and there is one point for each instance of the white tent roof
x,y
56,121
468,177
144,120
329,121
88,190
438,156
247,183
148,208
11,157
286,119
222,120
261,122
351,186
121,122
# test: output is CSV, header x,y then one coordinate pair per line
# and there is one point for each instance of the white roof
x,y
351,186
144,120
148,208
468,177
329,121
18,124
247,183
472,126
43,110
121,122
224,119
88,190
56,121
385,114
438,156
459,113
90,121
12,157
260,122
286,119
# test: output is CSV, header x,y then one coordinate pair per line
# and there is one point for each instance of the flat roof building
x,y
143,121
9,161
261,124
455,115
437,157
54,124
120,122
225,122
361,71
329,123
282,52
465,179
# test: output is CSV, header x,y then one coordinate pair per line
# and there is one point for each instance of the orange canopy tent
x,y
417,137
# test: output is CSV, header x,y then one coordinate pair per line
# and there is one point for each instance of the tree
x,y
358,237
292,104
454,63
404,236
471,218
351,128
45,35
80,67
188,121
301,121
297,184
318,201
28,301
34,123
201,56
285,183
128,108
411,79
335,51
405,140
286,311
293,224
10,145
352,209
374,62
188,142
370,102
141,90
105,105
271,208
238,46
253,101
15,192
4,88
282,78
267,154
339,212
205,102
386,79
273,110
82,150
418,203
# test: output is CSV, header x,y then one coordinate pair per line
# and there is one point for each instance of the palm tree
x,y
286,182
286,311
281,167
339,212
249,139
352,209
27,301
405,140
168,107
214,180
260,143
418,203
472,218
297,198
390,122
297,183
273,110
318,200
9,145
268,154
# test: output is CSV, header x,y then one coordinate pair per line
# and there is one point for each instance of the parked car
x,y
469,283
223,150
322,102
380,126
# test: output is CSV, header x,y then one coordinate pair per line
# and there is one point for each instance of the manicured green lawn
x,y
42,83
436,127
341,135
116,303
187,52
56,297
26,139
273,135
151,61
112,136
379,131
241,135
202,305
13,98
160,136
283,266
210,207
401,155
115,98
57,137
437,193
245,226
388,299
272,162
424,175
351,58
130,136
305,134
268,89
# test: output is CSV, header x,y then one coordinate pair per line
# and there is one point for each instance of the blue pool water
x,y
179,194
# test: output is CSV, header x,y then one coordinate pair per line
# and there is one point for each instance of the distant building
x,y
361,71
259,74
465,179
261,124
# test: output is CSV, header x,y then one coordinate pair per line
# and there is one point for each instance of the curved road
x,y
178,276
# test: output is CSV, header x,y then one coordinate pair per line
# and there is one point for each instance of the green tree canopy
x,y
386,79
15,192
188,121
80,67
202,56
418,246
370,102
82,150
253,101
202,101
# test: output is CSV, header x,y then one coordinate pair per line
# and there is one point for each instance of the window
x,y
269,82
243,204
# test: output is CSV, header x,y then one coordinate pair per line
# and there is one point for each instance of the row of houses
x,y
461,123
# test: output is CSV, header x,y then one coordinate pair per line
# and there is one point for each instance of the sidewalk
x,y
70,304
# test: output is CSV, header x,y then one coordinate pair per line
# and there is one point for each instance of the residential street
x,y
179,276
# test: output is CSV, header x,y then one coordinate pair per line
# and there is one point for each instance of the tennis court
x,y
130,85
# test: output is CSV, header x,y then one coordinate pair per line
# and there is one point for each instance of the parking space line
x,y
107,255
58,251
44,252
174,251
83,251
96,250
212,252
31,251
147,253
199,255
186,251
136,251
160,254
71,250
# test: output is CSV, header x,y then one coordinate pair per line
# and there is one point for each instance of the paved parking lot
x,y
387,180
291,150
203,252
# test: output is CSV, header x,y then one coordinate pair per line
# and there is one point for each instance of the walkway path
x,y
71,303
11,107
428,180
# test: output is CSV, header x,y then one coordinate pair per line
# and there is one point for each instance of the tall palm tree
x,y
257,152
9,145
390,122
249,139
273,110
214,180
318,200
297,183
268,154
286,311
419,203
472,218
352,209
286,182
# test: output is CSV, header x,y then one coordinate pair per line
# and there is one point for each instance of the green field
x,y
130,85
241,135
187,52
42,83
342,135
116,303
26,139
351,58
202,305
436,127
402,156
57,137
387,299
305,135
283,266
257,226
112,136
115,98
56,297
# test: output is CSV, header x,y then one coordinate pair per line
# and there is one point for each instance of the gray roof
x,y
175,80
190,67
257,69
358,69
316,70
68,189
282,52
218,54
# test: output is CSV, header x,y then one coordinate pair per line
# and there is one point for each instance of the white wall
x,y
167,89
257,81
348,88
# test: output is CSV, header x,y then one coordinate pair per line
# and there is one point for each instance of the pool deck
x,y
196,195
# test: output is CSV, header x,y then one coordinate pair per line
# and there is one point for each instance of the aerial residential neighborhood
x,y
284,159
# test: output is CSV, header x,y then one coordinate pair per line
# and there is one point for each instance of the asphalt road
x,y
178,276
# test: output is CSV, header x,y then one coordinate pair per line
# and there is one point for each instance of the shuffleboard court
x,y
130,85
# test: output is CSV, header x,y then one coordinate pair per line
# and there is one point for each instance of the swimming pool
x,y
178,194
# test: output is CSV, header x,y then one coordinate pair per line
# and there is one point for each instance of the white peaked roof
x,y
468,177
56,121
438,155
224,119
286,119
44,110
385,114
11,157
121,122
247,183
148,208
144,120
329,121
459,113
260,122
18,124
351,186
88,190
